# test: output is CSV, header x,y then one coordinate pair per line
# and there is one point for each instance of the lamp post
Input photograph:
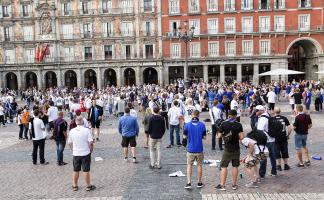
x,y
186,36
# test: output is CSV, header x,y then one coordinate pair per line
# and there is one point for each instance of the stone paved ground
x,y
116,179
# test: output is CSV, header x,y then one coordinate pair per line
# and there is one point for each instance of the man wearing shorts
x,y
128,128
232,133
81,143
302,123
95,117
194,132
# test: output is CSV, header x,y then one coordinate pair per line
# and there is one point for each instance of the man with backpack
x,y
60,137
263,125
164,109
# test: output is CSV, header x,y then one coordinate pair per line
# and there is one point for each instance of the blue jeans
x,y
60,145
175,128
272,155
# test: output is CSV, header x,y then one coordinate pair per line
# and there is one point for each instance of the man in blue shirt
x,y
194,132
128,128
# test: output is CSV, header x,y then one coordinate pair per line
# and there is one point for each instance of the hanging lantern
x,y
31,76
230,69
109,73
90,74
264,68
70,74
129,72
11,76
246,68
213,69
149,72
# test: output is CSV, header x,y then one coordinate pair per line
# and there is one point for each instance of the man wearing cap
x,y
263,125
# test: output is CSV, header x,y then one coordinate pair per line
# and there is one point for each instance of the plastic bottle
x,y
241,175
317,157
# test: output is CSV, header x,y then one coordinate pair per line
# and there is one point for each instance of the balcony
x,y
304,4
147,9
117,11
193,10
148,33
174,11
67,13
264,5
229,8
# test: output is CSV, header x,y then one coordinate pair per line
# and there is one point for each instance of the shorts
x,y
282,149
128,141
95,124
271,106
51,125
230,156
192,157
82,161
300,141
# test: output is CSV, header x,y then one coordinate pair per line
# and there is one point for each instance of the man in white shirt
x,y
174,115
235,106
37,129
52,115
216,119
81,142
271,99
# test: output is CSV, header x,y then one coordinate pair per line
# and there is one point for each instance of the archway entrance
x,y
90,79
303,57
150,76
129,75
11,81
175,72
110,78
213,73
70,78
31,80
50,79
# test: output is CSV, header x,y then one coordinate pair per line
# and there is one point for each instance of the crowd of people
x,y
74,117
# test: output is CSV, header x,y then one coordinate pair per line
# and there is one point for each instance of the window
x,y
174,25
148,7
279,23
196,24
247,24
67,31
175,50
88,53
149,51
29,55
85,7
174,7
194,49
213,49
229,5
66,9
230,48
264,4
28,33
5,11
264,24
106,6
229,25
304,22
264,47
9,56
108,52
7,33
193,6
26,10
212,5
107,29
127,6
128,52
247,5
279,4
247,47
212,26
87,30
148,29
304,3
68,54
127,28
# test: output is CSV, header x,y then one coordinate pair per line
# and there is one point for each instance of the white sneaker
x,y
252,185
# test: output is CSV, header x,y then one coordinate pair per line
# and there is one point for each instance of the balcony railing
x,y
264,6
174,10
148,9
194,10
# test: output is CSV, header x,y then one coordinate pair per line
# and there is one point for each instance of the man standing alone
x,y
60,136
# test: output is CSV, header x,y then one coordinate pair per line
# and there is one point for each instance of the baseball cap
x,y
78,112
259,108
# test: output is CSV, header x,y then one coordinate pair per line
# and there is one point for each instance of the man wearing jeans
x,y
263,125
174,115
60,136
156,129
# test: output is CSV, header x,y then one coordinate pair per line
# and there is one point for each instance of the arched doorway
x,y
50,79
129,75
150,76
110,78
11,81
303,57
31,80
90,79
71,79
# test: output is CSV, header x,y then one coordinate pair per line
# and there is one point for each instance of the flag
x,y
37,52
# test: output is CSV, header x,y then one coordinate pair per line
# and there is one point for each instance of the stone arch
x,y
150,76
90,78
318,46
11,81
31,79
110,77
71,79
129,76
50,79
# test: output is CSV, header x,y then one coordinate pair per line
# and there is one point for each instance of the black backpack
x,y
259,136
163,105
275,127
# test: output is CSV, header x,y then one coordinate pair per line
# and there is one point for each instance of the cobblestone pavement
x,y
116,179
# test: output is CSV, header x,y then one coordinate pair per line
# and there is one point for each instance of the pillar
x,y
19,80
160,74
119,76
79,78
222,73
39,79
256,73
2,80
59,78
239,73
138,75
99,78
205,73
166,75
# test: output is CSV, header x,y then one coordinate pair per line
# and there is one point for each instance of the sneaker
x,y
259,180
300,165
279,168
159,167
273,175
200,185
188,186
45,163
125,159
307,163
252,185
220,187
169,146
234,187
134,160
286,167
151,167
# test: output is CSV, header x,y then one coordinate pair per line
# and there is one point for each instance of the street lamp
x,y
186,37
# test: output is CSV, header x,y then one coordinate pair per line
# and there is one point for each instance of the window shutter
x,y
104,29
152,28
90,7
81,30
1,11
1,33
11,33
91,29
81,10
9,10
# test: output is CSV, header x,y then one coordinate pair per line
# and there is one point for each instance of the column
x,y
39,79
59,78
222,73
321,68
166,75
205,73
19,80
256,73
160,74
79,78
138,73
99,78
2,80
119,76
239,73
185,72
